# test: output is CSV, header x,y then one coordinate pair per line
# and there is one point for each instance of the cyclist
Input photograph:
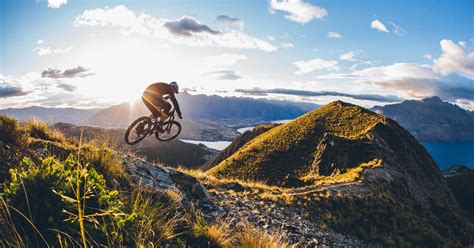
x,y
155,97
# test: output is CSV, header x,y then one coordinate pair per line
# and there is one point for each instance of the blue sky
x,y
96,53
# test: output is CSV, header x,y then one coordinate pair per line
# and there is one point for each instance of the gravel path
x,y
279,219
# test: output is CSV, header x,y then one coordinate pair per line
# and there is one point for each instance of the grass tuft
x,y
40,130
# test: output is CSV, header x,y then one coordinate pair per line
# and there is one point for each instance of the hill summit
x,y
345,155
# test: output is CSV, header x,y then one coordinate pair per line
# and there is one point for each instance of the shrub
x,y
53,197
9,131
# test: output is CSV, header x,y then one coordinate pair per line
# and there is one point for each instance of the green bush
x,y
45,197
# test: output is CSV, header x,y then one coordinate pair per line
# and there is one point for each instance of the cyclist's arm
x,y
175,104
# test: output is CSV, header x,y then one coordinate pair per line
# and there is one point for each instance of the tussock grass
x,y
244,234
10,133
153,217
40,130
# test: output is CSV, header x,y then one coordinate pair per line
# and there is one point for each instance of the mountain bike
x,y
144,126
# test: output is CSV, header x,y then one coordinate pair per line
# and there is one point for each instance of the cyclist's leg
x,y
164,106
151,104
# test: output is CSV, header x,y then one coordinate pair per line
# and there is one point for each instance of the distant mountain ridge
x,y
231,111
431,119
51,115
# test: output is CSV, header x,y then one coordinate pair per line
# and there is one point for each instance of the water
x,y
447,154
218,145
242,130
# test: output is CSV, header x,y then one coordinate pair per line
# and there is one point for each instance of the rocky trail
x,y
275,218
230,204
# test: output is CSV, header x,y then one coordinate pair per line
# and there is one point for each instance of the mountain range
x,y
431,119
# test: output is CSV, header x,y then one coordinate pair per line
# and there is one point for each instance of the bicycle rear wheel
x,y
171,130
138,130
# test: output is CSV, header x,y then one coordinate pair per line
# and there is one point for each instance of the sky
x,y
87,54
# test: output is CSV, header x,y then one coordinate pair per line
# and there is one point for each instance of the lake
x,y
218,145
447,154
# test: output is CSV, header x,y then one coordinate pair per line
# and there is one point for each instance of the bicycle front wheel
x,y
138,130
171,130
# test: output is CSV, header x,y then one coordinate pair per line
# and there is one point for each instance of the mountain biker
x,y
155,96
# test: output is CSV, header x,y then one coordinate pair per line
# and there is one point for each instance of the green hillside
x,y
290,149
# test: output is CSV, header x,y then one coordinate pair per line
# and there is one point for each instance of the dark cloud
x,y
449,88
371,97
67,87
9,88
230,20
187,26
68,73
225,74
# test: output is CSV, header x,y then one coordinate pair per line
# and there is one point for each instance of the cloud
x,y
334,35
187,26
10,88
413,80
398,30
68,73
368,97
54,4
224,59
299,11
67,87
225,74
454,58
184,31
231,20
47,50
378,25
349,56
315,64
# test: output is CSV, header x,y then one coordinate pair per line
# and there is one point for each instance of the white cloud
x,y
349,56
130,22
223,59
47,50
378,25
56,3
398,30
299,11
315,64
454,58
428,56
334,35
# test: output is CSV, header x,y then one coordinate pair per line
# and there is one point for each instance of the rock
x,y
153,177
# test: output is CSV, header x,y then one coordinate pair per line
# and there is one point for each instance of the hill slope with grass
x,y
460,180
236,145
60,192
350,167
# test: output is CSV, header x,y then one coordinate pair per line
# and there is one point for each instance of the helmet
x,y
174,86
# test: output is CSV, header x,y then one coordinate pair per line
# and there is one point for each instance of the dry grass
x,y
287,149
157,221
244,235
40,130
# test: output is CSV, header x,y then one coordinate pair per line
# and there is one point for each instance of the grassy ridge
x,y
290,148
